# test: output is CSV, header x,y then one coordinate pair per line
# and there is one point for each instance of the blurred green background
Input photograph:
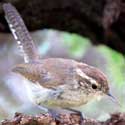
x,y
51,43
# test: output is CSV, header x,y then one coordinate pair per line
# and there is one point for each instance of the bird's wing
x,y
20,33
39,74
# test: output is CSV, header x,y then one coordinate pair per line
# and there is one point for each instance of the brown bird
x,y
54,82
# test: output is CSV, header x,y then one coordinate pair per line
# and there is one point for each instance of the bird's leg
x,y
55,115
44,109
82,116
52,112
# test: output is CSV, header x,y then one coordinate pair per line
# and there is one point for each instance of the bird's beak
x,y
114,99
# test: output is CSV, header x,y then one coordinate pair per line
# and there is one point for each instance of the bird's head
x,y
93,81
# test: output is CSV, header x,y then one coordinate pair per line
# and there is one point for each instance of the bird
x,y
54,82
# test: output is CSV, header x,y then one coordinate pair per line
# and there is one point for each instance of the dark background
x,y
102,21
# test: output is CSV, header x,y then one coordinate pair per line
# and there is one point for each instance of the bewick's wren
x,y
54,82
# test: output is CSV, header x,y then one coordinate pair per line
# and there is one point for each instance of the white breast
x,y
36,93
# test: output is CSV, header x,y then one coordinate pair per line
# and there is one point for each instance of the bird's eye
x,y
94,86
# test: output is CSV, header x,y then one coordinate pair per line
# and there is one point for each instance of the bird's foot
x,y
82,116
55,115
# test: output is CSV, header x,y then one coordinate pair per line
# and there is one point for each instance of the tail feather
x,y
20,33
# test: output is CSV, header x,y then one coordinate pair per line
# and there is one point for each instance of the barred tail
x,y
20,33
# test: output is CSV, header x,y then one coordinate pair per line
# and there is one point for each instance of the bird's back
x,y
49,73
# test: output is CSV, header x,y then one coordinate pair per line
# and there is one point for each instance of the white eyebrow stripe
x,y
92,81
82,74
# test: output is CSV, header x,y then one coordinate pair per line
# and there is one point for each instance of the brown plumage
x,y
53,72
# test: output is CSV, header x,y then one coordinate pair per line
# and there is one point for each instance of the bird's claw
x,y
55,115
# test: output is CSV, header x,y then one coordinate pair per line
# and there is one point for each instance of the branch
x,y
67,119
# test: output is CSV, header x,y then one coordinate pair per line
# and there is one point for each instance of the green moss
x,y
115,66
77,44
